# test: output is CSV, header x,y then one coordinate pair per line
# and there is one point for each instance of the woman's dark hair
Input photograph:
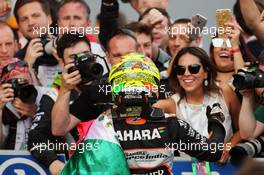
x,y
246,53
207,64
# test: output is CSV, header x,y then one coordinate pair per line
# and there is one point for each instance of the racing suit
x,y
149,143
42,144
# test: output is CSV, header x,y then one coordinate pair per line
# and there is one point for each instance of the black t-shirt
x,y
95,99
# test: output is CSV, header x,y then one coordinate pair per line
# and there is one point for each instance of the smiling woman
x,y
197,96
228,54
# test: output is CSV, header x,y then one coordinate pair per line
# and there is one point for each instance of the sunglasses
x,y
193,69
12,66
219,42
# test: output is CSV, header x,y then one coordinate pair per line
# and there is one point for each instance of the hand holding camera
x,y
250,78
34,50
82,70
6,94
23,90
70,80
248,149
247,92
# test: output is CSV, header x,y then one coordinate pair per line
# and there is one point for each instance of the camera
x,y
88,68
250,79
248,149
24,91
48,44
47,58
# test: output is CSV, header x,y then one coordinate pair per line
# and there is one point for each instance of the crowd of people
x,y
56,70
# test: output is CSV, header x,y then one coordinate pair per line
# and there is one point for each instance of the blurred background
x,y
177,9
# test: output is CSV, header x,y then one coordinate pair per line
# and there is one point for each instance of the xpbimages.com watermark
x,y
50,30
212,31
107,89
50,146
203,146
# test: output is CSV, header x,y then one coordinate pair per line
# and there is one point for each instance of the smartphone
x,y
198,23
223,16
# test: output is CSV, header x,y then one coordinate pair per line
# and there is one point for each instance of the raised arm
x,y
234,35
247,120
252,18
108,20
62,120
40,137
197,145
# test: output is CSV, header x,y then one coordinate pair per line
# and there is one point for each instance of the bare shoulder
x,y
226,90
230,96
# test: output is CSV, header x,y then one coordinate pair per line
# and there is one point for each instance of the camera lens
x,y
96,69
28,94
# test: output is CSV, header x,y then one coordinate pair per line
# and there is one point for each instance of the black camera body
x,y
88,68
47,58
248,149
24,91
251,79
44,40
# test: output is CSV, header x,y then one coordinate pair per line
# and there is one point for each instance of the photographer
x,y
33,18
251,117
26,114
69,47
19,102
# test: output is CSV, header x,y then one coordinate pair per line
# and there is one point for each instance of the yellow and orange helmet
x,y
134,74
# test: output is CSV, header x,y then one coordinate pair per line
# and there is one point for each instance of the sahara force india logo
x,y
147,134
